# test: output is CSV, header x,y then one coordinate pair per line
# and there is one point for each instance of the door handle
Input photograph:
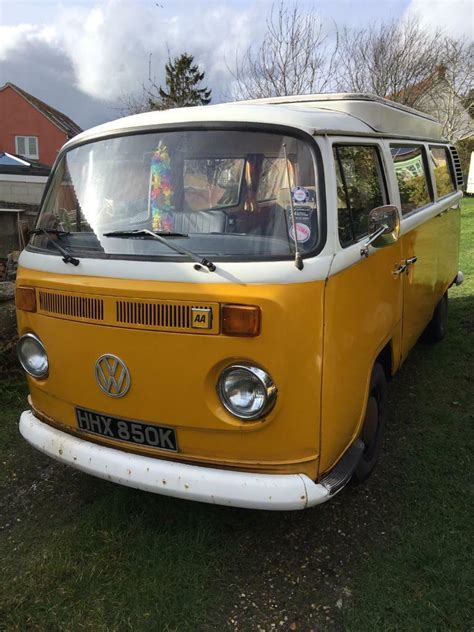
x,y
411,260
400,270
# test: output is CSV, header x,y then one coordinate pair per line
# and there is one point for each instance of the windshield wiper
x,y
169,233
160,236
49,231
67,257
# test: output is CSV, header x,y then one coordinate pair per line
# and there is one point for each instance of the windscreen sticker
x,y
303,232
300,195
302,221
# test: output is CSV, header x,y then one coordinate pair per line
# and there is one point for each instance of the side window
x,y
442,170
360,188
410,169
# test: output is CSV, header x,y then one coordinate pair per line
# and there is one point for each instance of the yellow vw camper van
x,y
214,298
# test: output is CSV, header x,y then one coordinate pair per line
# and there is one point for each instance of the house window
x,y
27,146
360,188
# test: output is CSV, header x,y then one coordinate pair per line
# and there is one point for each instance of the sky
x,y
83,56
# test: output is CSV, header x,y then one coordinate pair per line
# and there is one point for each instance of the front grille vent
x,y
70,305
159,315
457,166
154,315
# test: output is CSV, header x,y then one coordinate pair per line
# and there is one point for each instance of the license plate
x,y
125,430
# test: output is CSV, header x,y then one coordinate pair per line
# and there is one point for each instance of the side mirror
x,y
383,228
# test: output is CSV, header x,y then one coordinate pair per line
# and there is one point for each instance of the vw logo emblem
x,y
112,375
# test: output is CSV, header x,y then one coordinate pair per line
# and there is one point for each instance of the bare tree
x,y
404,62
133,103
394,59
296,56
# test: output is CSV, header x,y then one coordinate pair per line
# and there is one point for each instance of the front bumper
x,y
276,492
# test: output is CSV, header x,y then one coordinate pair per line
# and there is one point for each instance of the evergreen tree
x,y
182,85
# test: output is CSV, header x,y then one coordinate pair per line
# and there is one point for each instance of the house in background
x,y
31,128
440,98
31,135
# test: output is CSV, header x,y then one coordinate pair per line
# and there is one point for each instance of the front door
x,y
363,300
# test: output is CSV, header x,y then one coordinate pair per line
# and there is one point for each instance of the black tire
x,y
438,325
374,424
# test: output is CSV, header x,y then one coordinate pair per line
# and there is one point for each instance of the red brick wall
x,y
20,118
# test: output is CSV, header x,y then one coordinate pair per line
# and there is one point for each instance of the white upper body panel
x,y
307,113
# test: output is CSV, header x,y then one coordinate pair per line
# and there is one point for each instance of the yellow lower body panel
x,y
174,373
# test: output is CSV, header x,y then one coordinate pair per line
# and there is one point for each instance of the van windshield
x,y
221,194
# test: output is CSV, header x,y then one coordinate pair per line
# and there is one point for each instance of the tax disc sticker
x,y
300,195
303,232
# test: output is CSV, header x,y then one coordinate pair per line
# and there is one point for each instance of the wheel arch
x,y
385,358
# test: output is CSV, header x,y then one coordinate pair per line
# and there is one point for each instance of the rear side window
x,y
442,171
360,188
411,172
212,183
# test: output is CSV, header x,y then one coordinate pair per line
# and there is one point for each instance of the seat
x,y
199,222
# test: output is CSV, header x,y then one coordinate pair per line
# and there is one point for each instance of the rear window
x,y
411,172
442,171
212,183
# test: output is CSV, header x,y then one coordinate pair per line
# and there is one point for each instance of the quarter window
x,y
442,171
410,169
360,188
27,146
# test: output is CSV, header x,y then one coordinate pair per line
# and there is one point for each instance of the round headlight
x,y
246,391
32,355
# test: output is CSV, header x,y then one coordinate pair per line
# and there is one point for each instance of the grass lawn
x,y
78,553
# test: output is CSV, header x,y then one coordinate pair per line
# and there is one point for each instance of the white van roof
x,y
353,114
382,115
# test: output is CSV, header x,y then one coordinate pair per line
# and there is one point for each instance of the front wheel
x,y
374,424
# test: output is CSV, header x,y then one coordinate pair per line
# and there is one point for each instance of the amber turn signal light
x,y
240,320
25,299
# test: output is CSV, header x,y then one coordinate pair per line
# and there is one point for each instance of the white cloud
x,y
12,37
454,17
108,44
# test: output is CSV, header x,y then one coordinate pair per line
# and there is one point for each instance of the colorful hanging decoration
x,y
161,192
